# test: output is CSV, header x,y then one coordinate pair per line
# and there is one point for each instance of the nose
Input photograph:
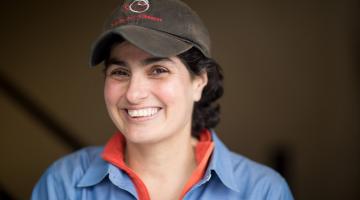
x,y
137,90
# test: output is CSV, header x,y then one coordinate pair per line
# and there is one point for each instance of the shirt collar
x,y
100,167
221,164
96,172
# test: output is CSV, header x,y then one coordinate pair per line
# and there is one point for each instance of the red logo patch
x,y
122,20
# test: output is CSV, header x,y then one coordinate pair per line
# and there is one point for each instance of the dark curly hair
x,y
206,113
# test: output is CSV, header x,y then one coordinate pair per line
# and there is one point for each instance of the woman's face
x,y
150,99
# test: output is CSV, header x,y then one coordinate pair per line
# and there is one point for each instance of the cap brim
x,y
154,42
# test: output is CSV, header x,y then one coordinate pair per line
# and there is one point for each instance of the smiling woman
x,y
150,99
161,88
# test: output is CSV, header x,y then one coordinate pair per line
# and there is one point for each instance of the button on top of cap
x,y
139,6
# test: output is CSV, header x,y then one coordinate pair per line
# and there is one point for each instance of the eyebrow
x,y
151,60
115,61
144,62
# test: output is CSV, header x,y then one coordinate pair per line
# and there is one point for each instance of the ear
x,y
199,82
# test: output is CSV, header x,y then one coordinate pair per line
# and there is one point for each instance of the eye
x,y
158,70
119,73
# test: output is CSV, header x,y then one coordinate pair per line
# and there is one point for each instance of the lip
x,y
139,119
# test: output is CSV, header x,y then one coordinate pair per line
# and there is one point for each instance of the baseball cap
x,y
162,28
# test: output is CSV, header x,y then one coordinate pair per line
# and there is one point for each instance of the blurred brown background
x,y
291,99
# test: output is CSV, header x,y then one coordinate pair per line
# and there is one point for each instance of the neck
x,y
155,160
156,163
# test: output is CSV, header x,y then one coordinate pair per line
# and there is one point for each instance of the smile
x,y
145,112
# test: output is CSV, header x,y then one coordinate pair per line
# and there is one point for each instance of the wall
x,y
291,85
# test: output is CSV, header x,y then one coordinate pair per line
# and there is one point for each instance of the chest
x,y
107,190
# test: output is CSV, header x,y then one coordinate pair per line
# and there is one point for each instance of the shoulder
x,y
74,164
252,170
63,175
250,179
258,179
78,160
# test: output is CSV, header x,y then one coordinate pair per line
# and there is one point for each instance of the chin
x,y
141,135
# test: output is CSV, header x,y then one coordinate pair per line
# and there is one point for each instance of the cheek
x,y
112,92
174,92
165,92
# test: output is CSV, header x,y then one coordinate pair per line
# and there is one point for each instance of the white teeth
x,y
147,112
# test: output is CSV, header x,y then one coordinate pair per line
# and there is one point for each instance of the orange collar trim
x,y
114,154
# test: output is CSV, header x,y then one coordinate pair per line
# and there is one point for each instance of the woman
x,y
161,88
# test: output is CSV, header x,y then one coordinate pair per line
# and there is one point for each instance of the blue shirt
x,y
85,175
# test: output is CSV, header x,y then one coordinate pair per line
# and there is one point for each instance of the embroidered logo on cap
x,y
139,6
